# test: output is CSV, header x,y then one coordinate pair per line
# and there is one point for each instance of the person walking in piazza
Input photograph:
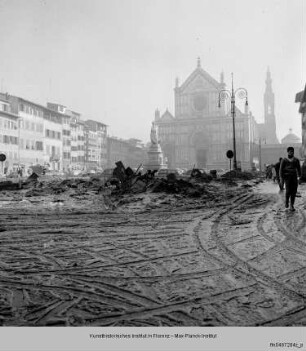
x,y
290,173
277,167
273,173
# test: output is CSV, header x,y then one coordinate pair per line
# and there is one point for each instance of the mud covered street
x,y
231,256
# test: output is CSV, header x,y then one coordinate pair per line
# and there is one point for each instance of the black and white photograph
x,y
152,175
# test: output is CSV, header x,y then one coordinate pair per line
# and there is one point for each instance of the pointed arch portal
x,y
199,142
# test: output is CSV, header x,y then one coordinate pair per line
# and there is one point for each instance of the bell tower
x,y
269,115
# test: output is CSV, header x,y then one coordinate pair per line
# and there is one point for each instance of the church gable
x,y
199,80
197,96
167,117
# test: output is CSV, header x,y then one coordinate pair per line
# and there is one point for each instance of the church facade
x,y
199,133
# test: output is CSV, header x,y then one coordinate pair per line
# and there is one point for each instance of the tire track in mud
x,y
288,243
157,260
78,291
241,265
132,295
283,227
124,264
121,294
289,319
156,278
170,308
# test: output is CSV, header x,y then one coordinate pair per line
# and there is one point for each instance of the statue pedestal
x,y
155,158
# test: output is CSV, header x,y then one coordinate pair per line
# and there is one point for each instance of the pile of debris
x,y
124,181
236,174
9,185
58,186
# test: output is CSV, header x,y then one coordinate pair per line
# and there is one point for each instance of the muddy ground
x,y
225,255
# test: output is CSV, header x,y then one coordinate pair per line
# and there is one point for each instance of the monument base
x,y
155,159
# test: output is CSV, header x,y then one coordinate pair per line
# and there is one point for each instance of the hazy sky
x,y
116,60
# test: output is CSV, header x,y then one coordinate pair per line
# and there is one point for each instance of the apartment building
x,y
73,137
53,145
66,143
84,143
66,134
58,138
77,128
40,134
95,144
9,135
130,153
30,130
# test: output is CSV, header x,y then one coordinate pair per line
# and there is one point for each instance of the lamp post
x,y
226,94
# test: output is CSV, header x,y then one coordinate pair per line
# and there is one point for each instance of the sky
x,y
116,61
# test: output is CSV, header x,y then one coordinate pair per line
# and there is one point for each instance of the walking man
x,y
290,173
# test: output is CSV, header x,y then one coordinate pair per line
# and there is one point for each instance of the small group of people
x,y
287,173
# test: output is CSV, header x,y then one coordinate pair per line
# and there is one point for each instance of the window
x,y
13,140
67,155
39,145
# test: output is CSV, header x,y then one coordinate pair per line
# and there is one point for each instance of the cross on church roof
x,y
199,62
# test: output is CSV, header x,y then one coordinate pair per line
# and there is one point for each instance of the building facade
x,y
130,153
301,99
200,133
9,135
53,143
95,144
57,137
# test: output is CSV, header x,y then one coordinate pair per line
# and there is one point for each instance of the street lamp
x,y
226,94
